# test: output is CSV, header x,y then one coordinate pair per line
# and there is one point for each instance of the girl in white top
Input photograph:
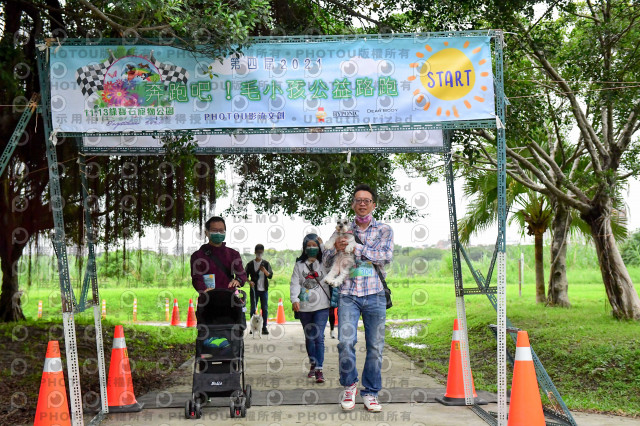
x,y
310,298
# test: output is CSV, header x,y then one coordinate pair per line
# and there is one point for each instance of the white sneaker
x,y
332,334
371,403
349,397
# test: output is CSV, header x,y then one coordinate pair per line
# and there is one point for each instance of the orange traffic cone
x,y
191,315
175,315
280,316
526,406
52,408
454,394
119,384
135,310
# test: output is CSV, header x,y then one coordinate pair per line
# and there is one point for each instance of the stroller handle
x,y
240,295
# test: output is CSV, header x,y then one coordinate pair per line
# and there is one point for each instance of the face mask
x,y
312,251
216,238
364,219
258,255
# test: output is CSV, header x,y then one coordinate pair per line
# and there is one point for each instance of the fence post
x,y
520,273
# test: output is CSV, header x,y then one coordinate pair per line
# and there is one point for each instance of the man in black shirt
x,y
259,272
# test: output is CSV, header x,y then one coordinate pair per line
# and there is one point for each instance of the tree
x,y
583,59
314,186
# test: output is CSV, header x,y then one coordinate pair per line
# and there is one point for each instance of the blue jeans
x,y
373,309
313,324
263,297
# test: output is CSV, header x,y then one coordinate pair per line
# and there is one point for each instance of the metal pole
x,y
520,273
457,273
57,205
502,225
93,276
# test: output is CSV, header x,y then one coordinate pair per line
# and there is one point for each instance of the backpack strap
x,y
209,253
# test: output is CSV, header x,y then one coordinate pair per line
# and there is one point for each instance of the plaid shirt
x,y
378,248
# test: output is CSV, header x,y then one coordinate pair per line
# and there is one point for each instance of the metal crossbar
x,y
172,41
18,131
433,125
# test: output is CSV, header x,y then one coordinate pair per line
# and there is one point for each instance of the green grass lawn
x,y
591,357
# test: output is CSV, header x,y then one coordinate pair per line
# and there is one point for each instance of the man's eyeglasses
x,y
364,201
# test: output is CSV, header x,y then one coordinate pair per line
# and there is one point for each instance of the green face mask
x,y
312,251
216,238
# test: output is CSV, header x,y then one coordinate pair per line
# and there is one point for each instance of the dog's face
x,y
342,225
256,318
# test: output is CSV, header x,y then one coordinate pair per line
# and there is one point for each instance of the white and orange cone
x,y
175,315
454,394
135,310
53,408
167,314
525,407
119,384
280,319
191,315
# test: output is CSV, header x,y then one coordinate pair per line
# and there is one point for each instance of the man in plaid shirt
x,y
362,294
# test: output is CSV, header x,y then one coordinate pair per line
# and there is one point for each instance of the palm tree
x,y
533,215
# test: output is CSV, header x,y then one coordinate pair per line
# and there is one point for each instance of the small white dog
x,y
256,325
344,261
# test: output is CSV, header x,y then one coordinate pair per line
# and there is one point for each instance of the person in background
x,y
259,272
332,322
362,294
214,265
310,299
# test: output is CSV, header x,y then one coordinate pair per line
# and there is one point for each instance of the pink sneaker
x,y
349,397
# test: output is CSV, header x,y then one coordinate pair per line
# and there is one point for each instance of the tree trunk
x,y
540,294
10,304
558,286
623,297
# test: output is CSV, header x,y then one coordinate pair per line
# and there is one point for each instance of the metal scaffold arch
x,y
381,85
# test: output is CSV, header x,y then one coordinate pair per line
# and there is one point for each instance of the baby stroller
x,y
219,364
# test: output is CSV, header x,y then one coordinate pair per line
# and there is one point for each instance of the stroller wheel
x,y
232,410
189,409
198,410
247,394
243,411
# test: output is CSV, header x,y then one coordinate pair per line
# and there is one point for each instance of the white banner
x,y
345,140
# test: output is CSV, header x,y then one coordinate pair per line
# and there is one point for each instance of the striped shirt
x,y
377,248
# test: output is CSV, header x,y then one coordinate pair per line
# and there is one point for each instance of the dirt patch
x,y
24,347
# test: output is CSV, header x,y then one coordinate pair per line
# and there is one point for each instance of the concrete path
x,y
276,368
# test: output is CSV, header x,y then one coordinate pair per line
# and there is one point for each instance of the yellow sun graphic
x,y
449,75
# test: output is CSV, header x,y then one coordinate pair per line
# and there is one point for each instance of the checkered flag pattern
x,y
170,73
91,77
